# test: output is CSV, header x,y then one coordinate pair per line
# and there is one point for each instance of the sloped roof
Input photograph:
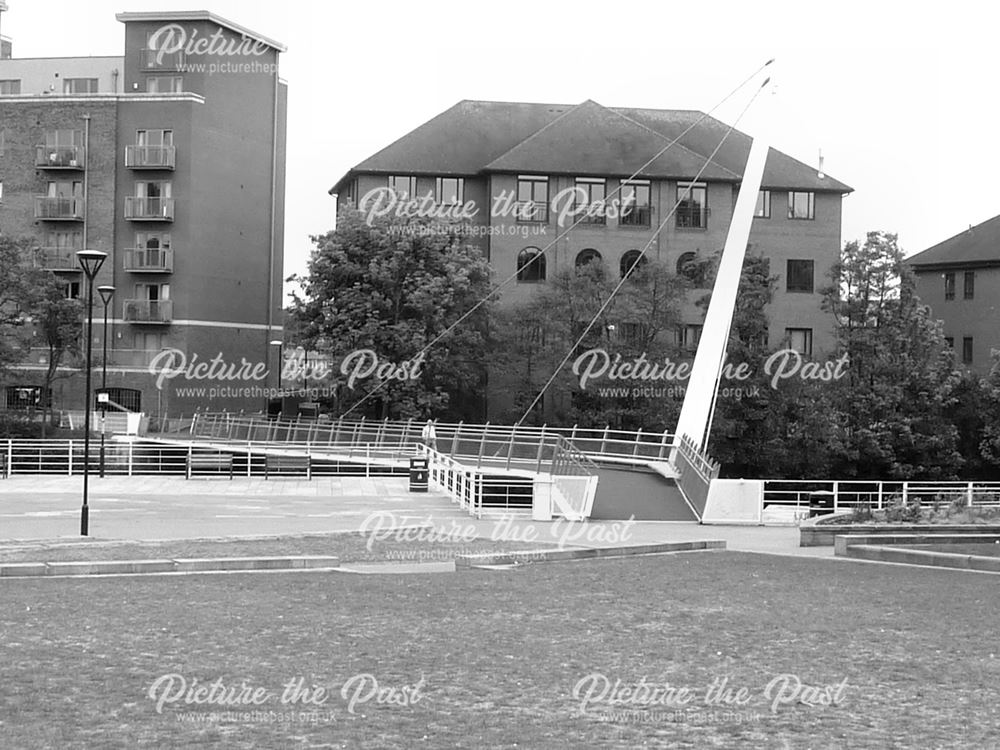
x,y
781,171
585,139
592,140
978,245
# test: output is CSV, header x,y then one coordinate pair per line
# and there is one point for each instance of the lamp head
x,y
91,261
106,292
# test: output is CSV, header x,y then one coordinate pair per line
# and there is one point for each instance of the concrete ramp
x,y
644,492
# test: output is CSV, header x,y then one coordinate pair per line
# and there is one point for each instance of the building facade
x,y
170,159
521,170
960,280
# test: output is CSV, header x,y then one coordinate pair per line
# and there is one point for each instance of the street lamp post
x,y
91,262
107,293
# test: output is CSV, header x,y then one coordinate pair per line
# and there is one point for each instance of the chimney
x,y
5,43
819,171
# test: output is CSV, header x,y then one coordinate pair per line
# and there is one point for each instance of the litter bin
x,y
820,503
418,474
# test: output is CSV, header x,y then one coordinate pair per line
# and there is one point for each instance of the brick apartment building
x,y
480,152
175,169
960,280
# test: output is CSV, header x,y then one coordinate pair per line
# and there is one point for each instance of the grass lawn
x,y
349,547
500,653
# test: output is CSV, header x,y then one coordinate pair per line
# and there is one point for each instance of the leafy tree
x,y
535,336
393,288
18,281
894,402
59,324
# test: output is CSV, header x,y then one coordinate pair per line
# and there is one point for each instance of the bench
x,y
217,462
280,464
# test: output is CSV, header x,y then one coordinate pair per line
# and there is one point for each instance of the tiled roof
x,y
585,139
979,245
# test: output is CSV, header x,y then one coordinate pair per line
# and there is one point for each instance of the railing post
x,y
10,456
970,494
454,437
368,456
635,448
906,487
880,495
836,496
541,448
335,432
249,457
482,445
604,440
69,463
131,457
663,444
190,451
510,448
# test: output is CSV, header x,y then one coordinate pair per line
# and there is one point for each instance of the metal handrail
x,y
878,494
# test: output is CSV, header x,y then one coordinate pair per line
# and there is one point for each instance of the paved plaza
x,y
157,508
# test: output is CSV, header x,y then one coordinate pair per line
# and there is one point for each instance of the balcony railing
x,y
635,216
532,212
154,59
150,157
149,209
154,260
58,259
692,217
590,213
148,310
58,209
59,157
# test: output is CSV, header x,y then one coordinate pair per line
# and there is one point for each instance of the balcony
x,y
635,216
149,209
58,259
589,213
149,260
692,217
150,157
148,311
154,59
60,157
532,212
49,208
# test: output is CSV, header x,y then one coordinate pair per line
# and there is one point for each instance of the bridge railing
x,y
695,472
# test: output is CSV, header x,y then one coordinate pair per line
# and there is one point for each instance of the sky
x,y
901,100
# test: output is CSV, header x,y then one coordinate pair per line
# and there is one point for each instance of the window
x,y
164,84
590,194
149,342
72,290
23,396
63,138
635,204
969,288
630,259
692,205
967,350
799,276
690,335
129,399
65,189
949,286
154,137
79,85
69,240
449,191
530,265
532,199
585,257
351,192
763,209
154,189
691,269
801,340
404,186
10,87
152,292
152,240
801,205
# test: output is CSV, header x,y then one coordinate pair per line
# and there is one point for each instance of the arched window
x,y
530,265
587,256
629,259
691,268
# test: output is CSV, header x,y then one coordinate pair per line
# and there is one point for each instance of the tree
x,y
894,403
18,291
381,293
535,336
59,323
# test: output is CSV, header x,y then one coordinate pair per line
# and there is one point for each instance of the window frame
x,y
683,217
584,213
539,213
800,288
969,285
642,212
10,84
439,183
968,350
807,340
177,85
536,269
764,212
411,190
810,205
949,286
